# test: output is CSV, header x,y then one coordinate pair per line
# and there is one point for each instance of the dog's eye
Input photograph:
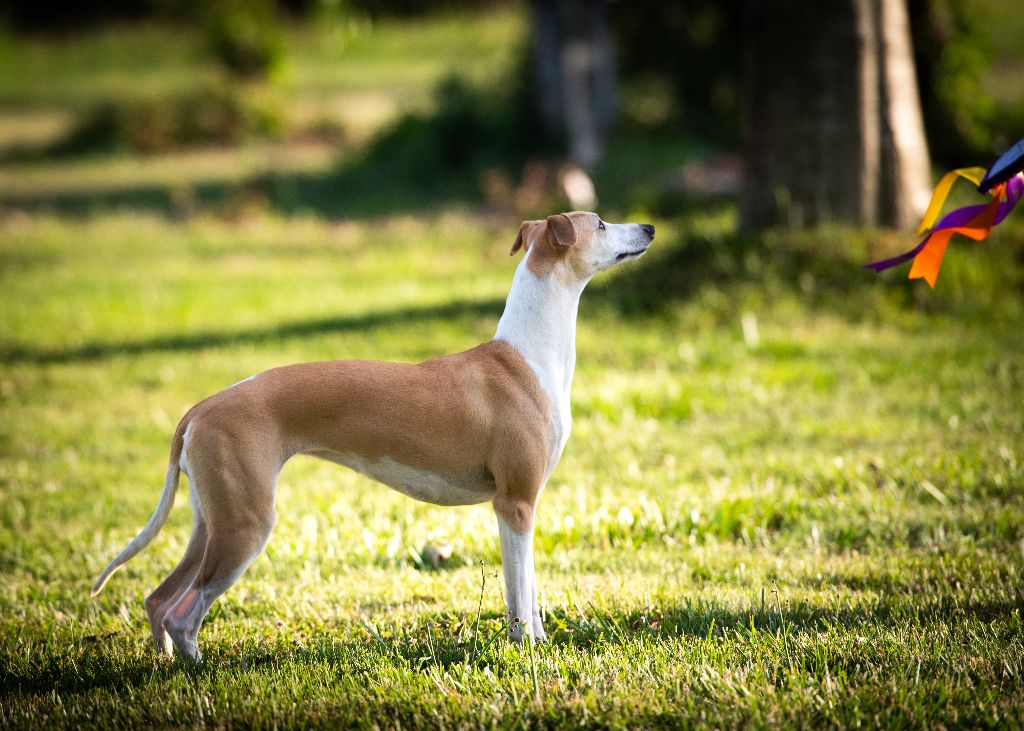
x,y
600,225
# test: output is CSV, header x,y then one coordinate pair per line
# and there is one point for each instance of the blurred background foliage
x,y
679,67
339,109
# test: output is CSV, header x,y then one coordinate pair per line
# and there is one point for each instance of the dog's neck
x,y
540,322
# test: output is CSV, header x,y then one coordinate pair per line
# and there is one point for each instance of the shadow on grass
x,y
636,292
446,640
644,288
13,353
420,163
594,627
93,668
820,268
673,272
676,271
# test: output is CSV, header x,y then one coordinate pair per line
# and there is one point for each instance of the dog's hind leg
x,y
171,589
239,521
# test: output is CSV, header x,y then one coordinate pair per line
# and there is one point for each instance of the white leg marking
x,y
520,589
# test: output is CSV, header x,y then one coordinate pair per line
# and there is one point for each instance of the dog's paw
x,y
516,630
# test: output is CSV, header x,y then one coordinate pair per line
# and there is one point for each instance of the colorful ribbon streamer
x,y
975,222
942,192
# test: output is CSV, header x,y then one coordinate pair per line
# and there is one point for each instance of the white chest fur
x,y
540,322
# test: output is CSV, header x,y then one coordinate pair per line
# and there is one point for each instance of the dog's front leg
x,y
515,531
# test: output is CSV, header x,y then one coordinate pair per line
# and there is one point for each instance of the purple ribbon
x,y
957,218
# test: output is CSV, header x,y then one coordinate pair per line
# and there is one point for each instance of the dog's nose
x,y
648,229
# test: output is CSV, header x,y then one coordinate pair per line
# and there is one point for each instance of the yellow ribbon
x,y
942,192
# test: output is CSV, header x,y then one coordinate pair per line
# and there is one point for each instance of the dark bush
x,y
213,114
471,129
694,48
952,54
244,38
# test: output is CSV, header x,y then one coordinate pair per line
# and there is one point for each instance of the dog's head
x,y
576,246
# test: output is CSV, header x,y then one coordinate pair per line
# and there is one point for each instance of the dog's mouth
x,y
630,254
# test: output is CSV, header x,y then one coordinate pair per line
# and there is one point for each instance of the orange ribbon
x,y
929,259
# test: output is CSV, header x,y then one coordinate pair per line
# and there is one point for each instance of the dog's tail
x,y
159,517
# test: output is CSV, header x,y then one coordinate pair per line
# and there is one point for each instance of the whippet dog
x,y
486,424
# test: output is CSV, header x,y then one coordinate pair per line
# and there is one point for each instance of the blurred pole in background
x,y
833,128
575,69
547,61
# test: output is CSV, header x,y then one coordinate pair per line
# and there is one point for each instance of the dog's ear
x,y
561,230
526,236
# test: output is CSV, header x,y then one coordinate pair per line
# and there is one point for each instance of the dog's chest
x,y
561,425
420,484
556,382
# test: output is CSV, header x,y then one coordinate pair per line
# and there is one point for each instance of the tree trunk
x,y
905,150
833,122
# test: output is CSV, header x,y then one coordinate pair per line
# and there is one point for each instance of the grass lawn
x,y
794,493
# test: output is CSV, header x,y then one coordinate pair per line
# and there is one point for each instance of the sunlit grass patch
x,y
792,496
